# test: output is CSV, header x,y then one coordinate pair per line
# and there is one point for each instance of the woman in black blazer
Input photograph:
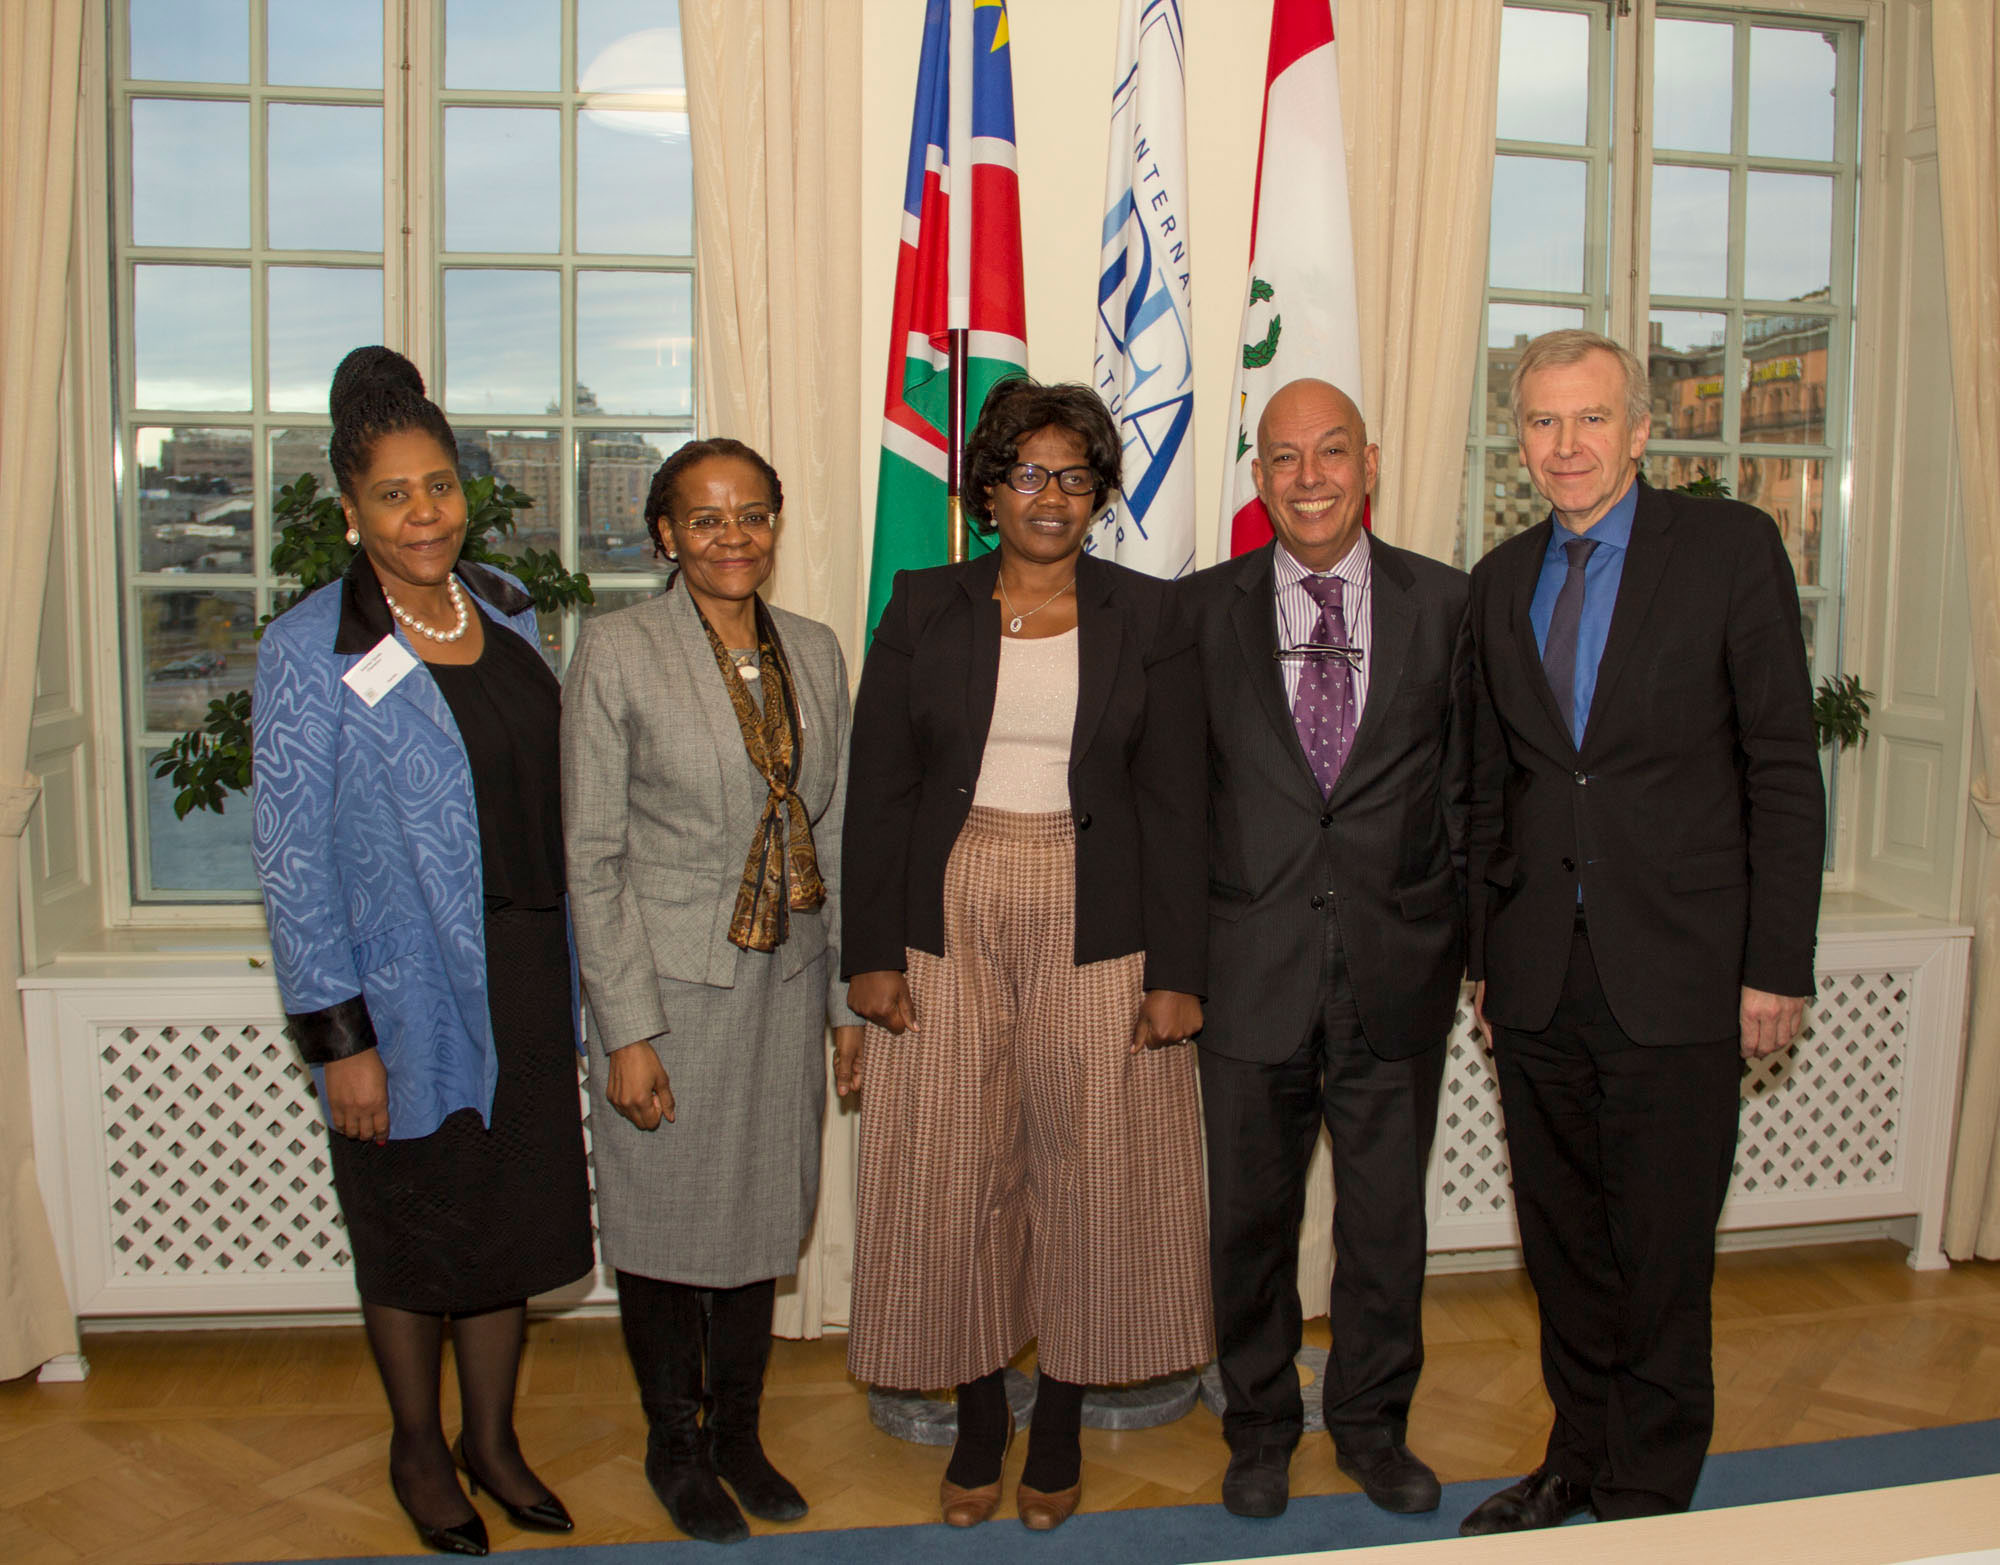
x,y
1024,926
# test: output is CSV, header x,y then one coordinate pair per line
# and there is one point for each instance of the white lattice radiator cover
x,y
185,1160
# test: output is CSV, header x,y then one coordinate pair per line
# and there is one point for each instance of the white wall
x,y
1063,54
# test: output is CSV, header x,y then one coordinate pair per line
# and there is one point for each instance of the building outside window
x,y
501,189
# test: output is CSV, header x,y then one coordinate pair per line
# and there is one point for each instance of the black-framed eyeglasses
x,y
1031,478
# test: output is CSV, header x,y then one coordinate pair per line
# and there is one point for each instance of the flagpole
x,y
958,269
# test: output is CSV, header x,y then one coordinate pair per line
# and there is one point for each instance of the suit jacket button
x,y
1581,778
1569,865
1083,821
1326,819
1318,901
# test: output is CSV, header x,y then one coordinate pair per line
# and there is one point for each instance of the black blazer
x,y
1694,816
1386,854
920,724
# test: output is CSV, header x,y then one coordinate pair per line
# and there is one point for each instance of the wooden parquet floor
x,y
272,1444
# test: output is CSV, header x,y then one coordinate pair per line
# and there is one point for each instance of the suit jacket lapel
x,y
1527,576
1255,617
1100,628
1638,582
684,637
982,681
419,690
1393,620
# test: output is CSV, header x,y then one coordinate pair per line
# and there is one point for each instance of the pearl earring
x,y
353,538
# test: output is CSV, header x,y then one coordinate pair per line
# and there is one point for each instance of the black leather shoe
x,y
1259,1480
1393,1476
544,1515
466,1537
760,1488
1542,1499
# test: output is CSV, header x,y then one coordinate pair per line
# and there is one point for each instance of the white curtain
x,y
774,96
41,49
1965,47
1418,86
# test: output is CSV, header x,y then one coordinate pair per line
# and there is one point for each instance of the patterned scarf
x,y
762,919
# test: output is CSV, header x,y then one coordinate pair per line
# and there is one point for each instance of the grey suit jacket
x,y
656,825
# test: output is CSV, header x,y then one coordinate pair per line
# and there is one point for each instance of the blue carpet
x,y
1186,1534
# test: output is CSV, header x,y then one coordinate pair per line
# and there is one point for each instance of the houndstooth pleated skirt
x,y
1023,1173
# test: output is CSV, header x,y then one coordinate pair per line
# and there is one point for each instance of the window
x,y
527,162
1751,185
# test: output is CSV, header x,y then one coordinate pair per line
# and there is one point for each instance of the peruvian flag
x,y
1299,314
959,267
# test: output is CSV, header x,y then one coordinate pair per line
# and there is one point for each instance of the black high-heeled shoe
x,y
547,1515
466,1537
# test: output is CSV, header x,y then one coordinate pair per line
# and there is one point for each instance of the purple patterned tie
x,y
1324,707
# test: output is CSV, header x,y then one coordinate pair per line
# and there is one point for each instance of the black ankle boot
x,y
739,1348
663,1329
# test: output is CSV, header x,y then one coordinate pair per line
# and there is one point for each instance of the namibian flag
x,y
956,269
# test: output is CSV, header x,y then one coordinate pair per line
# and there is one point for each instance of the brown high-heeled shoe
x,y
1041,1511
970,1507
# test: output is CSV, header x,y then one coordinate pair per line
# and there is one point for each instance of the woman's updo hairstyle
x,y
377,392
665,493
1015,409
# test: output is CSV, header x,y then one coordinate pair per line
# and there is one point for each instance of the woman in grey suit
x,y
704,740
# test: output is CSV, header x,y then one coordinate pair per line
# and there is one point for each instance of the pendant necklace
x,y
1014,624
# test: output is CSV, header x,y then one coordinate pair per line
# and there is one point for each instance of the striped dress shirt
x,y
1298,613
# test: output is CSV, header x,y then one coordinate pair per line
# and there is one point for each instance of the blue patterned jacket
x,y
366,840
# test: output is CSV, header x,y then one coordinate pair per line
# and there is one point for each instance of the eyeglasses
x,y
710,526
1312,651
1029,478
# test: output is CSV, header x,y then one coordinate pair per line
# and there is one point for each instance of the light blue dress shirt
x,y
1613,537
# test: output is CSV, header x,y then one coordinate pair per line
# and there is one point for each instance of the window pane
x,y
502,179
1784,378
1692,75
317,314
308,43
1790,489
190,173
1544,76
190,40
295,452
629,46
502,341
195,509
634,183
325,185
205,852
1538,225
1685,363
1791,93
1787,236
1690,230
1670,470
191,336
503,45
530,460
1509,329
194,645
615,470
1512,506
611,600
635,342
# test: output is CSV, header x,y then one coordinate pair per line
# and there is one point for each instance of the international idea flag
x,y
1299,315
1145,348
959,267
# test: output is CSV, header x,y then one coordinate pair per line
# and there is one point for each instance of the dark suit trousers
x,y
1621,1158
1262,1122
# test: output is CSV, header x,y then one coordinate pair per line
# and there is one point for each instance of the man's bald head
x,y
1314,470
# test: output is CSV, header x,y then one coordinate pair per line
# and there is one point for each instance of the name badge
x,y
380,671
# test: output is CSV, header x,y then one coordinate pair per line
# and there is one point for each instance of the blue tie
x,y
1559,651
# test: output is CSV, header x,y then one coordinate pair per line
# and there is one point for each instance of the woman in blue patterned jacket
x,y
409,839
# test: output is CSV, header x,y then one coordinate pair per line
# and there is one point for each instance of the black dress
x,y
474,1216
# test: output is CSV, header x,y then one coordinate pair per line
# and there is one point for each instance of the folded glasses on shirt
x,y
1307,650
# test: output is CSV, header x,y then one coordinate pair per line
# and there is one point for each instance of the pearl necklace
x,y
411,622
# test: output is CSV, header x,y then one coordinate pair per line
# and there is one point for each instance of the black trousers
x,y
1621,1159
1262,1122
